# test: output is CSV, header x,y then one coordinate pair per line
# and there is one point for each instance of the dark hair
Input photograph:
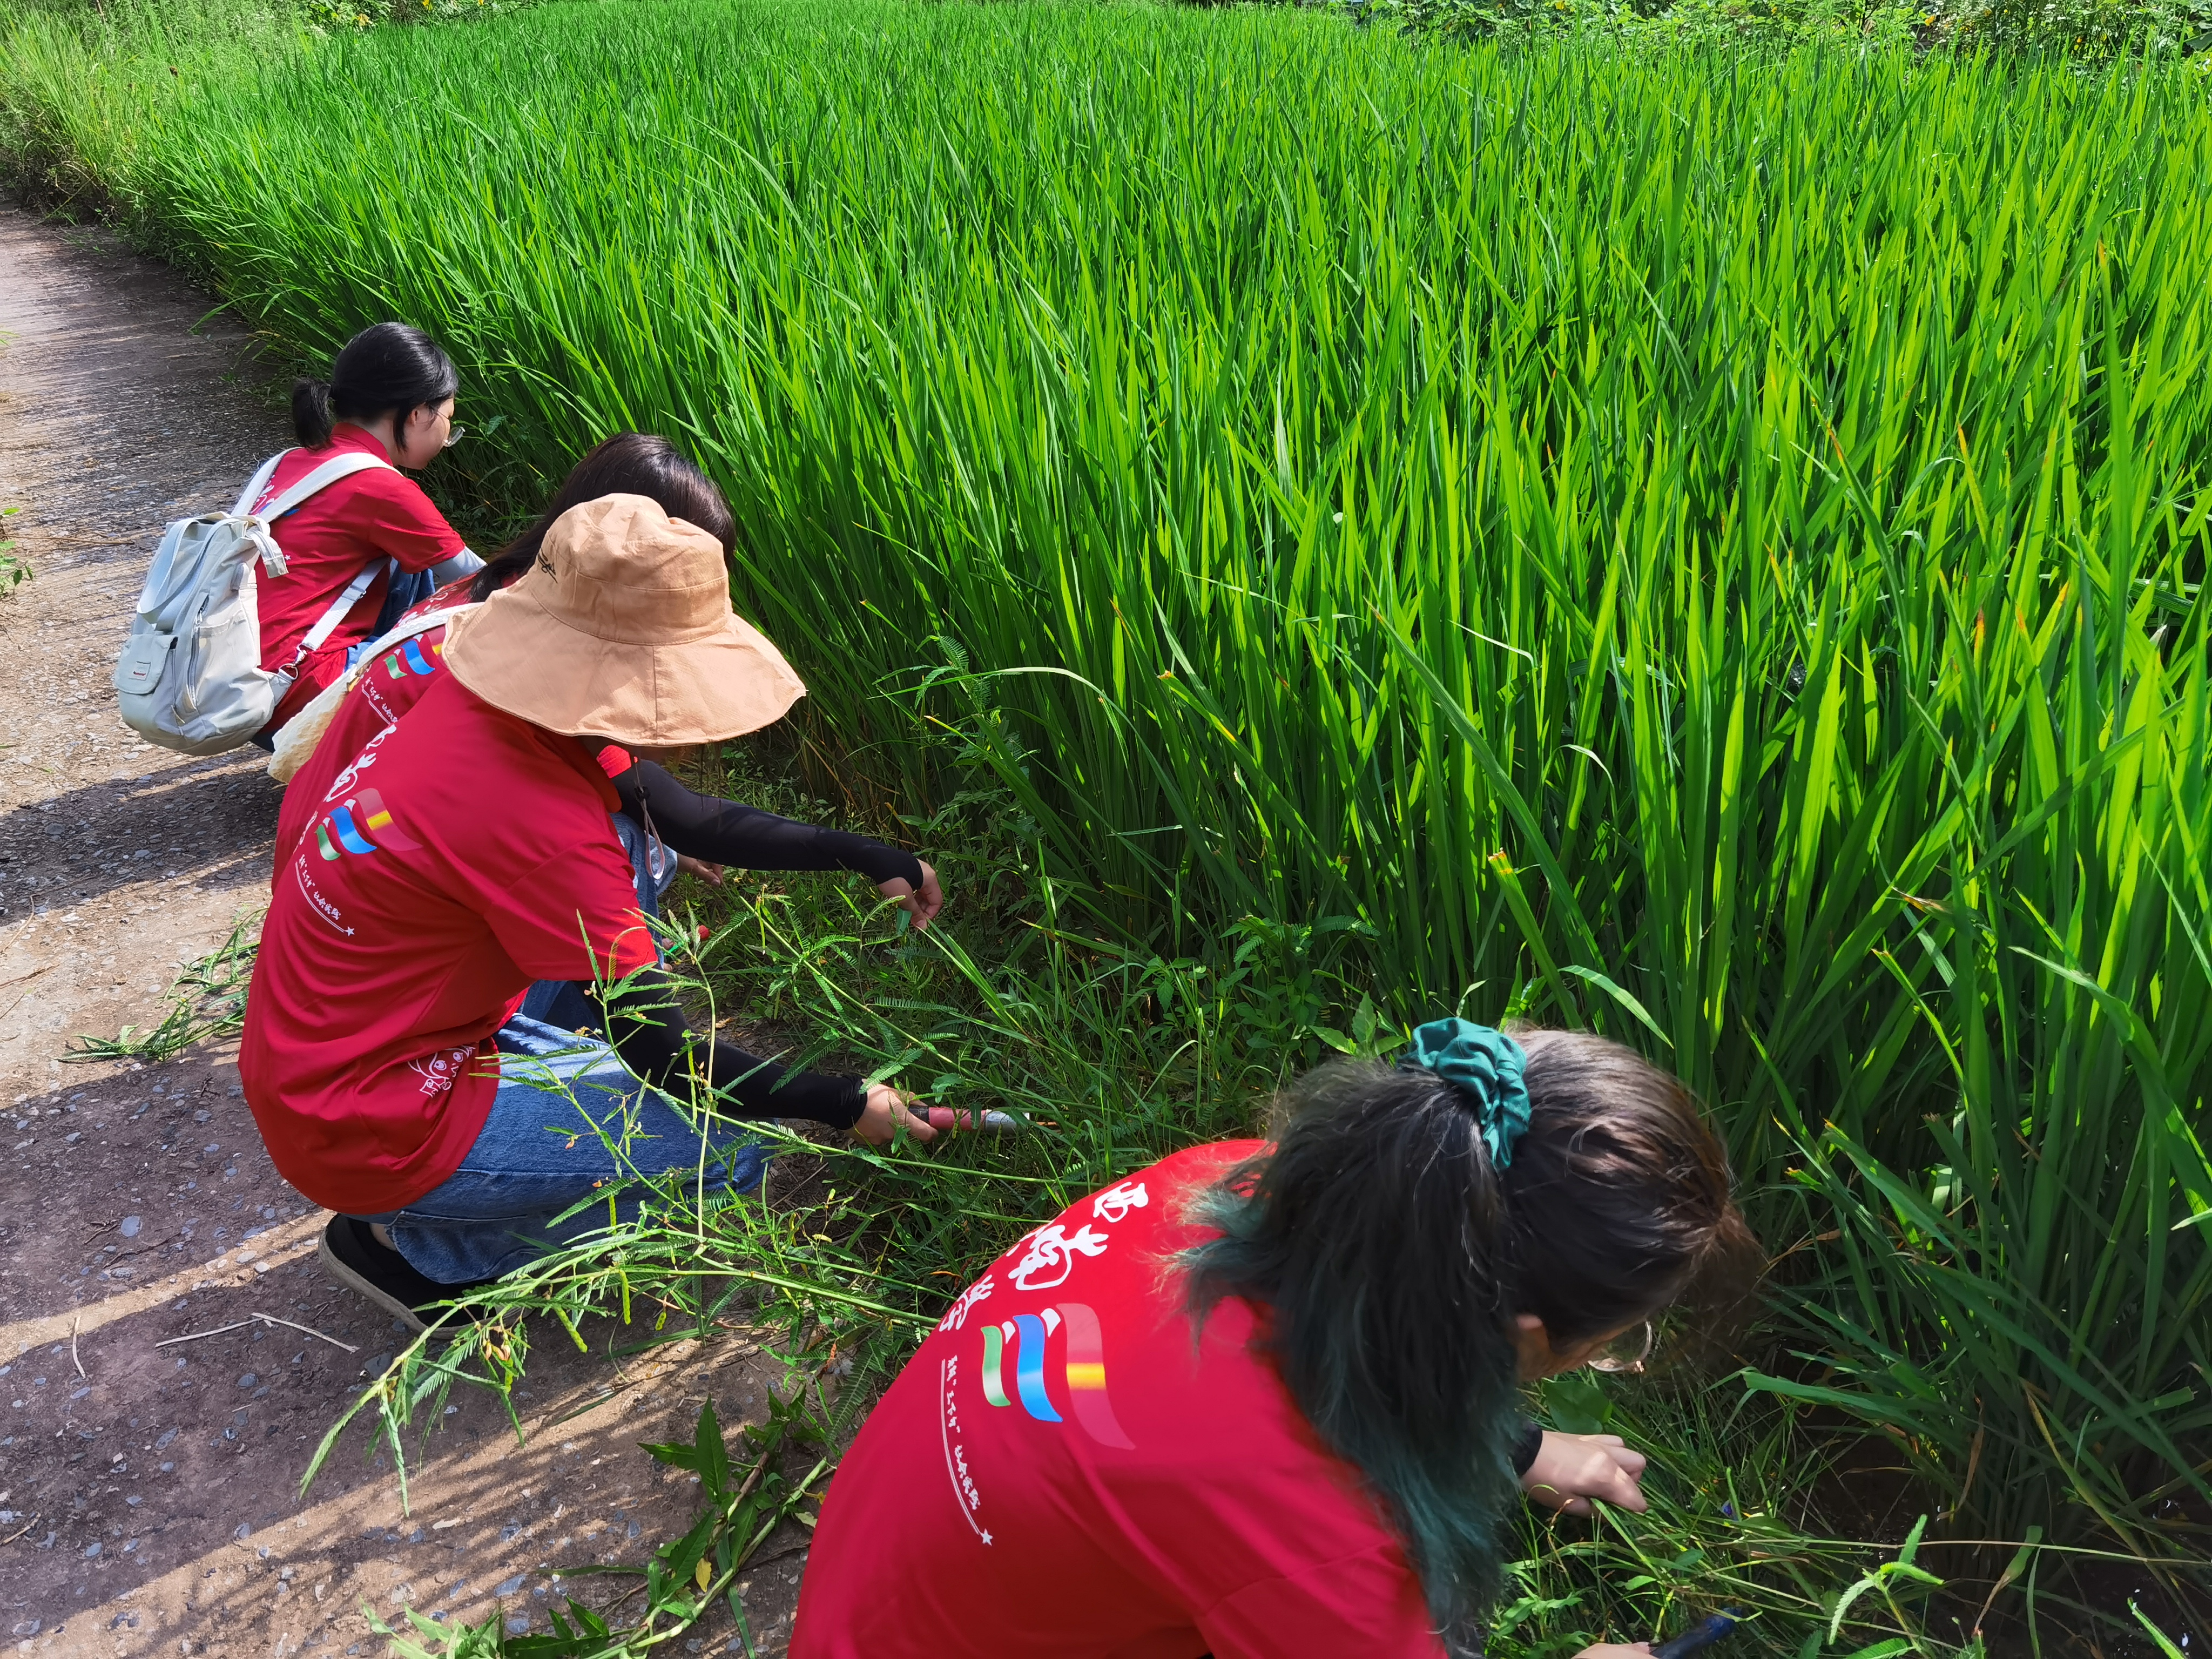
x,y
1388,1259
389,369
628,464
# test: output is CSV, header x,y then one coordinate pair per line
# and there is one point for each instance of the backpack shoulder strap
x,y
256,483
337,467
327,623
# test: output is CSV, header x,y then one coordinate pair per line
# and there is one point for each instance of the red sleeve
x,y
574,916
1367,1602
389,512
615,760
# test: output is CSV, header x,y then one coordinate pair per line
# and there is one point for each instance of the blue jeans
x,y
569,1123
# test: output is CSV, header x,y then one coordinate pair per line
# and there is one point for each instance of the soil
x,y
150,1495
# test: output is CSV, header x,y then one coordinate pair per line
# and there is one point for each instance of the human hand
x,y
710,873
922,906
1616,1650
948,1117
1571,1469
886,1110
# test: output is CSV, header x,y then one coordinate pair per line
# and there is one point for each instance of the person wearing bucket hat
x,y
1262,1398
470,853
662,822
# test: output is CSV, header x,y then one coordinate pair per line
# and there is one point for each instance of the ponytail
x,y
1390,1255
311,412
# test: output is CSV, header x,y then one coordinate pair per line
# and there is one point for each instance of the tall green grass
x,y
1707,550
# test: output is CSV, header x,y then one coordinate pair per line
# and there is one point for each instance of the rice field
x,y
1705,547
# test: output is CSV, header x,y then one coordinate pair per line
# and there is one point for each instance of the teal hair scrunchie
x,y
1487,1067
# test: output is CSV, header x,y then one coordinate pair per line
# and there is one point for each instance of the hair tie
x,y
1486,1066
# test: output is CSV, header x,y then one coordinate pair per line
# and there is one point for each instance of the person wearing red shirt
x,y
390,397
472,851
1260,1400
704,831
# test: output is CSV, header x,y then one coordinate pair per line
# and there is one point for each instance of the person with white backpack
x,y
389,400
246,616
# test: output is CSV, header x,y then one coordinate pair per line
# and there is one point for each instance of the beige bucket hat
x,y
623,630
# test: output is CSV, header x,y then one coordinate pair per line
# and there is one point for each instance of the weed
x,y
207,1002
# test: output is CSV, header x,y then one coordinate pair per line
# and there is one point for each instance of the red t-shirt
x,y
463,854
1064,1469
378,514
386,689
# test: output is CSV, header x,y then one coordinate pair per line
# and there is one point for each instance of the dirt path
x,y
149,1498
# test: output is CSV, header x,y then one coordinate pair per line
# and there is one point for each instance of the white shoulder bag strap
x,y
300,736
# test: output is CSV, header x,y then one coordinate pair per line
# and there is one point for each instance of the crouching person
x,y
1261,1400
472,853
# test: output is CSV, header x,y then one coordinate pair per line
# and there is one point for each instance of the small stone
x,y
243,1531
510,1586
131,1226
91,1549
164,1438
516,1624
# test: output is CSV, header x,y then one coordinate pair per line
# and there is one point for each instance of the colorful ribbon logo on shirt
x,y
409,659
352,824
1024,1337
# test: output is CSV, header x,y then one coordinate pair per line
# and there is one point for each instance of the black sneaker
x,y
379,1272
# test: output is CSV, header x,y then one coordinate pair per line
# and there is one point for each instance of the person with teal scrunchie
x,y
1263,1397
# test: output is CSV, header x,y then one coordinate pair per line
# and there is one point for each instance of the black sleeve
x,y
1527,1445
730,832
650,1035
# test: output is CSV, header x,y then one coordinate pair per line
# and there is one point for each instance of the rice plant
x,y
849,1256
1706,549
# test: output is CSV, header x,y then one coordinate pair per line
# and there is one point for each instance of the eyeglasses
x,y
454,436
1626,1353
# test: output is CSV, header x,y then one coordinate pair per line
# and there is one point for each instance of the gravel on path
x,y
149,1498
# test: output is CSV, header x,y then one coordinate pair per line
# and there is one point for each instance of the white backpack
x,y
191,678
